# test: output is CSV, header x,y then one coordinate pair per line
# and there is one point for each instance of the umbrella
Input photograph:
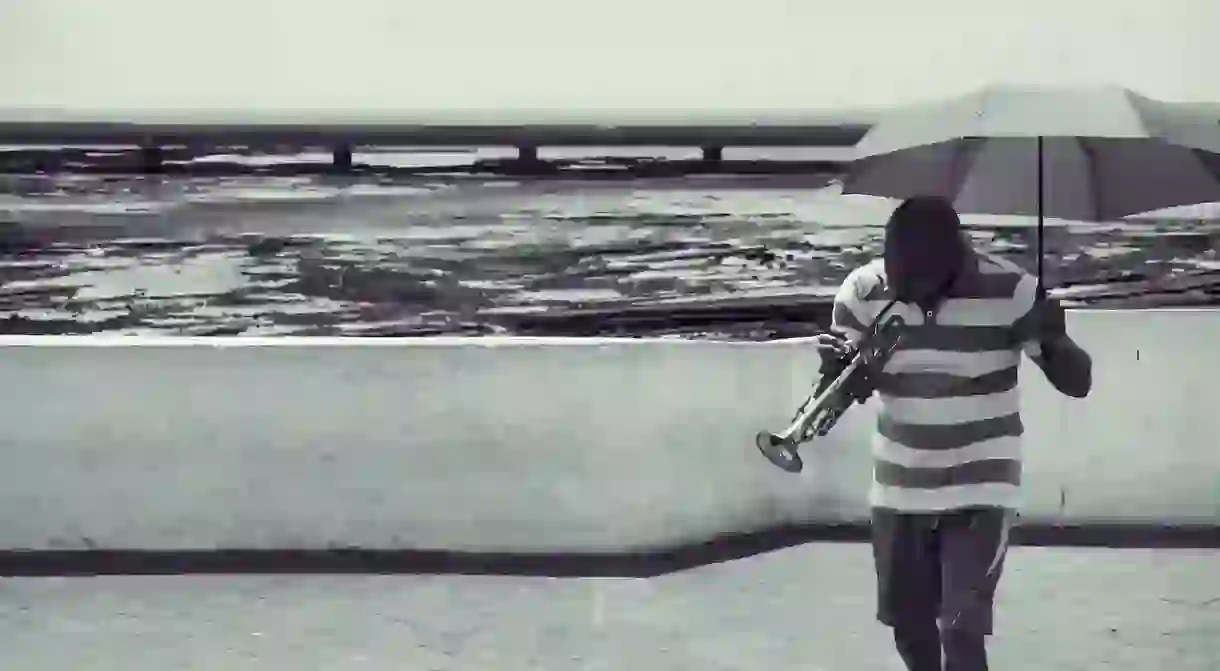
x,y
1085,154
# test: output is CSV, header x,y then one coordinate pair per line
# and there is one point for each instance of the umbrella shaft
x,y
1041,226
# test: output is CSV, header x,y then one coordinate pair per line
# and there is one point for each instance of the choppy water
x,y
263,255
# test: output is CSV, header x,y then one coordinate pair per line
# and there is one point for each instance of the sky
x,y
589,54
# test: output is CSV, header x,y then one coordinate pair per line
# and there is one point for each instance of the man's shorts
x,y
940,565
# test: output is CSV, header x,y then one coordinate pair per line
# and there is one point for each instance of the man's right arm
x,y
846,325
849,322
847,317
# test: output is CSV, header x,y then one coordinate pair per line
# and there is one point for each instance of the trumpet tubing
x,y
821,410
781,448
815,405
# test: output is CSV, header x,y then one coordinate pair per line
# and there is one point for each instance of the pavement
x,y
809,607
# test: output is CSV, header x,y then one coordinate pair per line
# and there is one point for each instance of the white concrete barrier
x,y
533,444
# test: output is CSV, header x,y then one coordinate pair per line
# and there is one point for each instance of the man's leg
x,y
909,573
974,544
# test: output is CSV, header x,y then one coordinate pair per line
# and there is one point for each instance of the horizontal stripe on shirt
x,y
993,495
971,339
1004,447
950,312
962,364
985,471
938,385
950,410
949,437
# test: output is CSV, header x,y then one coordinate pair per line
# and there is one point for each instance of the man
x,y
947,453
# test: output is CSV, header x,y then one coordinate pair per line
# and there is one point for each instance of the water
x,y
260,255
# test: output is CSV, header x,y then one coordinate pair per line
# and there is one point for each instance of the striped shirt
x,y
949,427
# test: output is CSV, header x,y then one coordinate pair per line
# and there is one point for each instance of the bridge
x,y
157,137
153,133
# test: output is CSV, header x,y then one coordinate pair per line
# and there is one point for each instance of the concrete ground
x,y
804,608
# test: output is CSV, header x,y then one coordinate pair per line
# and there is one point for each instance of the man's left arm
x,y
1042,332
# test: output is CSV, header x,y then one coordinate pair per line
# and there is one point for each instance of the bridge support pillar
x,y
341,158
527,154
152,159
713,154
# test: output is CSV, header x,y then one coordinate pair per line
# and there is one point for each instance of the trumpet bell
x,y
779,451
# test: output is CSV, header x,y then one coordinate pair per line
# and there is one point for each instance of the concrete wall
x,y
533,444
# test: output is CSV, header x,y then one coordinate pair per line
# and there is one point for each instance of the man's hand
x,y
1050,321
831,345
834,348
1067,367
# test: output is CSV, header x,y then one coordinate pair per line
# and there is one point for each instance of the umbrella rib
x,y
1095,187
981,114
1141,112
963,163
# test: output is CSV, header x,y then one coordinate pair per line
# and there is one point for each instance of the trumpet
x,y
833,396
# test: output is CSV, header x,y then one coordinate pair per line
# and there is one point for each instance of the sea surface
x,y
462,254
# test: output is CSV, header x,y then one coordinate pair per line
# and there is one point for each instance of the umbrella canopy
x,y
1098,154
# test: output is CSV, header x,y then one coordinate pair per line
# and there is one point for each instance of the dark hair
x,y
932,216
923,246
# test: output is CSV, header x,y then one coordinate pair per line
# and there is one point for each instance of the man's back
x,y
949,427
